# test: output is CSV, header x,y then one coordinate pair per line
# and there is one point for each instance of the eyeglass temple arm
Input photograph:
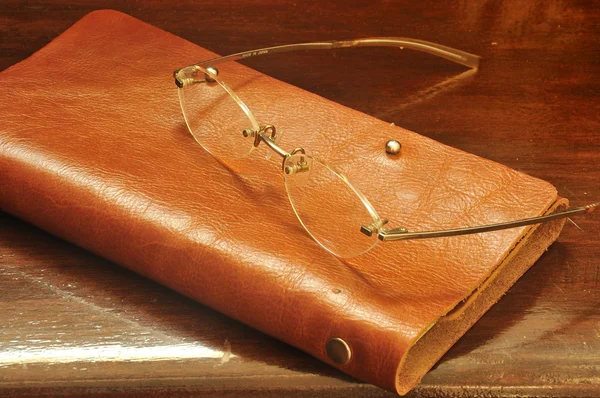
x,y
451,54
403,234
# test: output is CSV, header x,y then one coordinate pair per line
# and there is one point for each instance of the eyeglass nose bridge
x,y
268,134
267,131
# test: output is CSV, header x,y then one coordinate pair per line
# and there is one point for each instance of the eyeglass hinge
x,y
375,226
384,233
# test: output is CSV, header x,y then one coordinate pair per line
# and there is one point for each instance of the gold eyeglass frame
x,y
268,133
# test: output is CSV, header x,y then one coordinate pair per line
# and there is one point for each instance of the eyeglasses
x,y
345,224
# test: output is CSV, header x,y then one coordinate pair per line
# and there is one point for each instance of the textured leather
x,y
94,149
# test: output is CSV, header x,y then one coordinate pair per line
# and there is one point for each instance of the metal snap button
x,y
393,147
338,351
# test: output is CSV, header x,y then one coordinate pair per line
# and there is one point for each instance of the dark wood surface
x,y
72,323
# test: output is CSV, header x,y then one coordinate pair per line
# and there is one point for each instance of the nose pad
x,y
277,140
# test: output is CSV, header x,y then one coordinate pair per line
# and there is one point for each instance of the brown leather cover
x,y
94,149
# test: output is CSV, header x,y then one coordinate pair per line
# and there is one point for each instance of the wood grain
x,y
75,324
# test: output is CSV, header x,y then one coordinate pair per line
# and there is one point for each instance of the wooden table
x,y
72,323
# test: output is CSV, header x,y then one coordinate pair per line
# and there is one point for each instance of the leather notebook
x,y
95,150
